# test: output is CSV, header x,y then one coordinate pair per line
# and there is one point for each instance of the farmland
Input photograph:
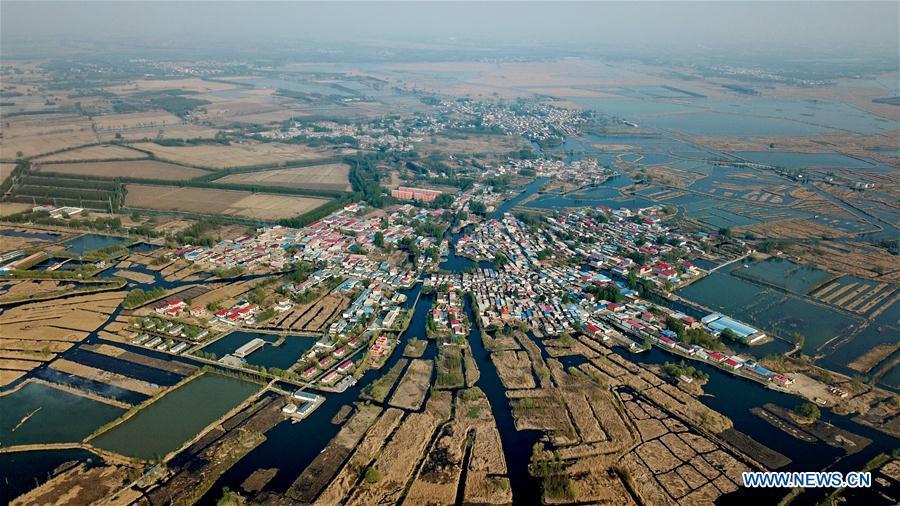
x,y
101,152
222,202
238,155
147,169
331,176
176,131
32,136
117,122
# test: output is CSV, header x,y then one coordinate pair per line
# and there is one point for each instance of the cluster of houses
x,y
532,120
554,297
165,335
330,242
582,172
242,313
448,313
503,297
647,321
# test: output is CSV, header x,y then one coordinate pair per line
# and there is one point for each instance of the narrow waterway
x,y
517,445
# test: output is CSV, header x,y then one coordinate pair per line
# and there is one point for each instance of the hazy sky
x,y
765,27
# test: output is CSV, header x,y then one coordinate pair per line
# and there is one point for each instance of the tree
x,y
675,326
443,200
379,239
799,339
477,207
809,411
725,232
729,334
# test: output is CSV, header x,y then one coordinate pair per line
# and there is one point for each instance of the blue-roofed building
x,y
718,323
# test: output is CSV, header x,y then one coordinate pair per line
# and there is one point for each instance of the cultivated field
x,y
236,155
332,176
32,136
189,85
5,169
9,208
225,202
102,152
148,169
169,132
135,120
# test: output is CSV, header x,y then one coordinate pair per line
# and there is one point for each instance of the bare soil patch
x,y
147,169
331,176
224,202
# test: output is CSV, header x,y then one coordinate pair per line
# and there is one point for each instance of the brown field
x,y
48,133
40,330
343,483
102,152
332,176
173,131
80,485
190,84
148,169
226,202
25,288
411,392
236,155
8,208
5,169
135,120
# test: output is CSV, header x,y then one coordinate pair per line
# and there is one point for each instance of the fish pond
x,y
275,353
26,234
769,309
91,242
40,414
174,419
794,160
790,276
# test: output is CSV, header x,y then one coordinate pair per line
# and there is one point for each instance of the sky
x,y
855,28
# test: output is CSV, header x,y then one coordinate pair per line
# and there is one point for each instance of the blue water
x,y
733,125
43,236
769,309
794,160
21,471
124,367
91,242
268,356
